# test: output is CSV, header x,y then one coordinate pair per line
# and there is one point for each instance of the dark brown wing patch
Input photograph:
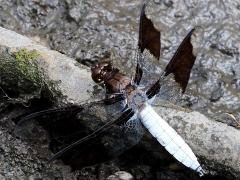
x,y
149,36
153,90
182,62
138,74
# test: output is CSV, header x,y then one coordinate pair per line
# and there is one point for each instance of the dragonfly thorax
x,y
136,97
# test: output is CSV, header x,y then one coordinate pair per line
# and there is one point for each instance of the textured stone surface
x,y
20,161
73,79
215,143
92,30
212,141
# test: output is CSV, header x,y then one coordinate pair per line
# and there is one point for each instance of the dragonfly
x,y
135,100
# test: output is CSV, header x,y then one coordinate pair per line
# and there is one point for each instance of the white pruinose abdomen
x,y
169,138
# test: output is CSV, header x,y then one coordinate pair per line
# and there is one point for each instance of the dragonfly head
x,y
100,70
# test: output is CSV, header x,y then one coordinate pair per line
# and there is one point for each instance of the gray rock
x,y
215,143
73,79
18,159
102,27
92,30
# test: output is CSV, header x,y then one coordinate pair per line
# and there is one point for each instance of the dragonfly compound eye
x,y
99,71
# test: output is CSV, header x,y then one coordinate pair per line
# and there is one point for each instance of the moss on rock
x,y
26,62
21,77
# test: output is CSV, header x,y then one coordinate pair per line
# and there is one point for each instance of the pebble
x,y
120,175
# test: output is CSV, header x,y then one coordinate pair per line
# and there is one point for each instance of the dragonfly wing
x,y
79,128
29,127
149,36
133,131
169,91
178,69
149,45
105,128
182,62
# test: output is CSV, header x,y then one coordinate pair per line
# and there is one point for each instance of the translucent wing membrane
x,y
182,62
180,67
125,116
149,46
29,128
149,36
134,130
75,127
149,51
149,67
170,91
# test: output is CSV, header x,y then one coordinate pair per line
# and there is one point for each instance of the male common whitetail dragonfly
x,y
136,100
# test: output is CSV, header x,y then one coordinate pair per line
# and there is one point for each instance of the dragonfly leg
x,y
113,98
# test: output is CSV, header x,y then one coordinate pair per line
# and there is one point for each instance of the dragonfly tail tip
x,y
200,171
